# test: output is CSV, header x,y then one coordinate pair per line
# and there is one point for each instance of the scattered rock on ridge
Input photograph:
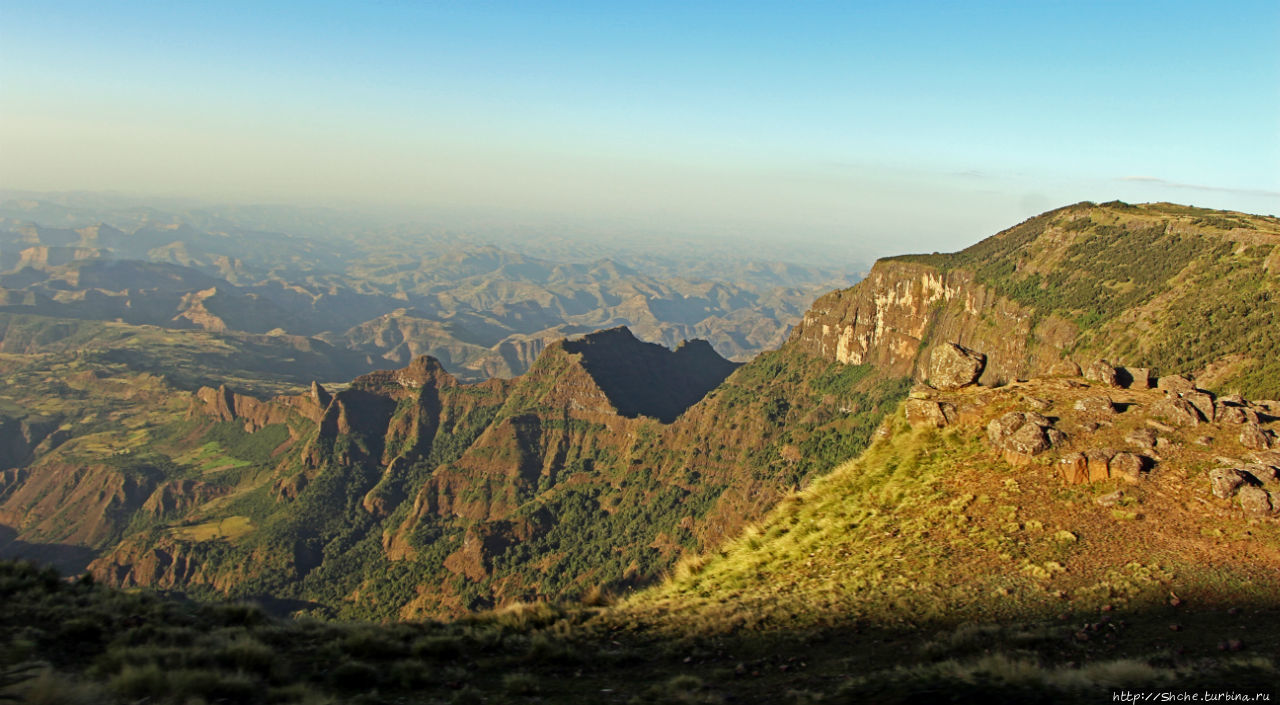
x,y
1255,500
1064,368
1136,377
1099,464
952,366
1128,466
1225,481
1074,468
1177,411
1175,384
1141,437
1095,405
1102,372
1022,435
1236,415
924,412
1202,401
1264,473
1254,438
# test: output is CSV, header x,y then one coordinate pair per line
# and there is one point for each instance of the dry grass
x,y
932,526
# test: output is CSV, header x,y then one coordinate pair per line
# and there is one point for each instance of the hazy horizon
x,y
914,128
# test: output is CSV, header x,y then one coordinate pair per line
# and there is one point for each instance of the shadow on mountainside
x,y
647,379
68,559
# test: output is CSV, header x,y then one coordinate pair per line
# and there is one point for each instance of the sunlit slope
x,y
935,525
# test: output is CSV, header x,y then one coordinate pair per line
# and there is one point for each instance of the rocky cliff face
x,y
903,309
74,504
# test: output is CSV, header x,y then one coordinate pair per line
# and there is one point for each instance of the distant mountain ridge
x,y
482,310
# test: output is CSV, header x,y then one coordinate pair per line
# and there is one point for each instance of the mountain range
x,y
1064,436
363,299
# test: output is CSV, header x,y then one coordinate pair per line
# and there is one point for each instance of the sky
x,y
911,126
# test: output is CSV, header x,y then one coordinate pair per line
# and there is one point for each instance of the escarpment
x,y
1172,289
902,308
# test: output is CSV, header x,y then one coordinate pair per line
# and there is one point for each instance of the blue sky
x,y
891,125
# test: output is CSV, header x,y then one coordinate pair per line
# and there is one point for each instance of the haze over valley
x,y
358,296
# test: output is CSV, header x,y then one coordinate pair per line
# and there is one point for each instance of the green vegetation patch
x,y
224,529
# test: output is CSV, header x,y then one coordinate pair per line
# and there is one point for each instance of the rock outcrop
x,y
1022,435
1103,373
902,307
925,412
1161,430
952,366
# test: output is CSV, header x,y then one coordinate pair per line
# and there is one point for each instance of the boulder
x,y
1074,469
1175,384
952,366
1270,407
1021,435
1056,438
1003,427
1136,377
1235,415
1254,438
1232,400
1095,405
1255,500
923,412
1202,401
1028,440
1141,437
1037,419
1102,372
1177,411
1263,473
1128,466
1064,368
1099,465
1226,481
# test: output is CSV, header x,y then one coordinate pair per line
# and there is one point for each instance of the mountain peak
x,y
422,371
646,379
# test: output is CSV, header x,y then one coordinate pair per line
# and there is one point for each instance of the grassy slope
x,y
931,526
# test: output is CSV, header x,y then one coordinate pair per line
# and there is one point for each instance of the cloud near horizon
x,y
1200,187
